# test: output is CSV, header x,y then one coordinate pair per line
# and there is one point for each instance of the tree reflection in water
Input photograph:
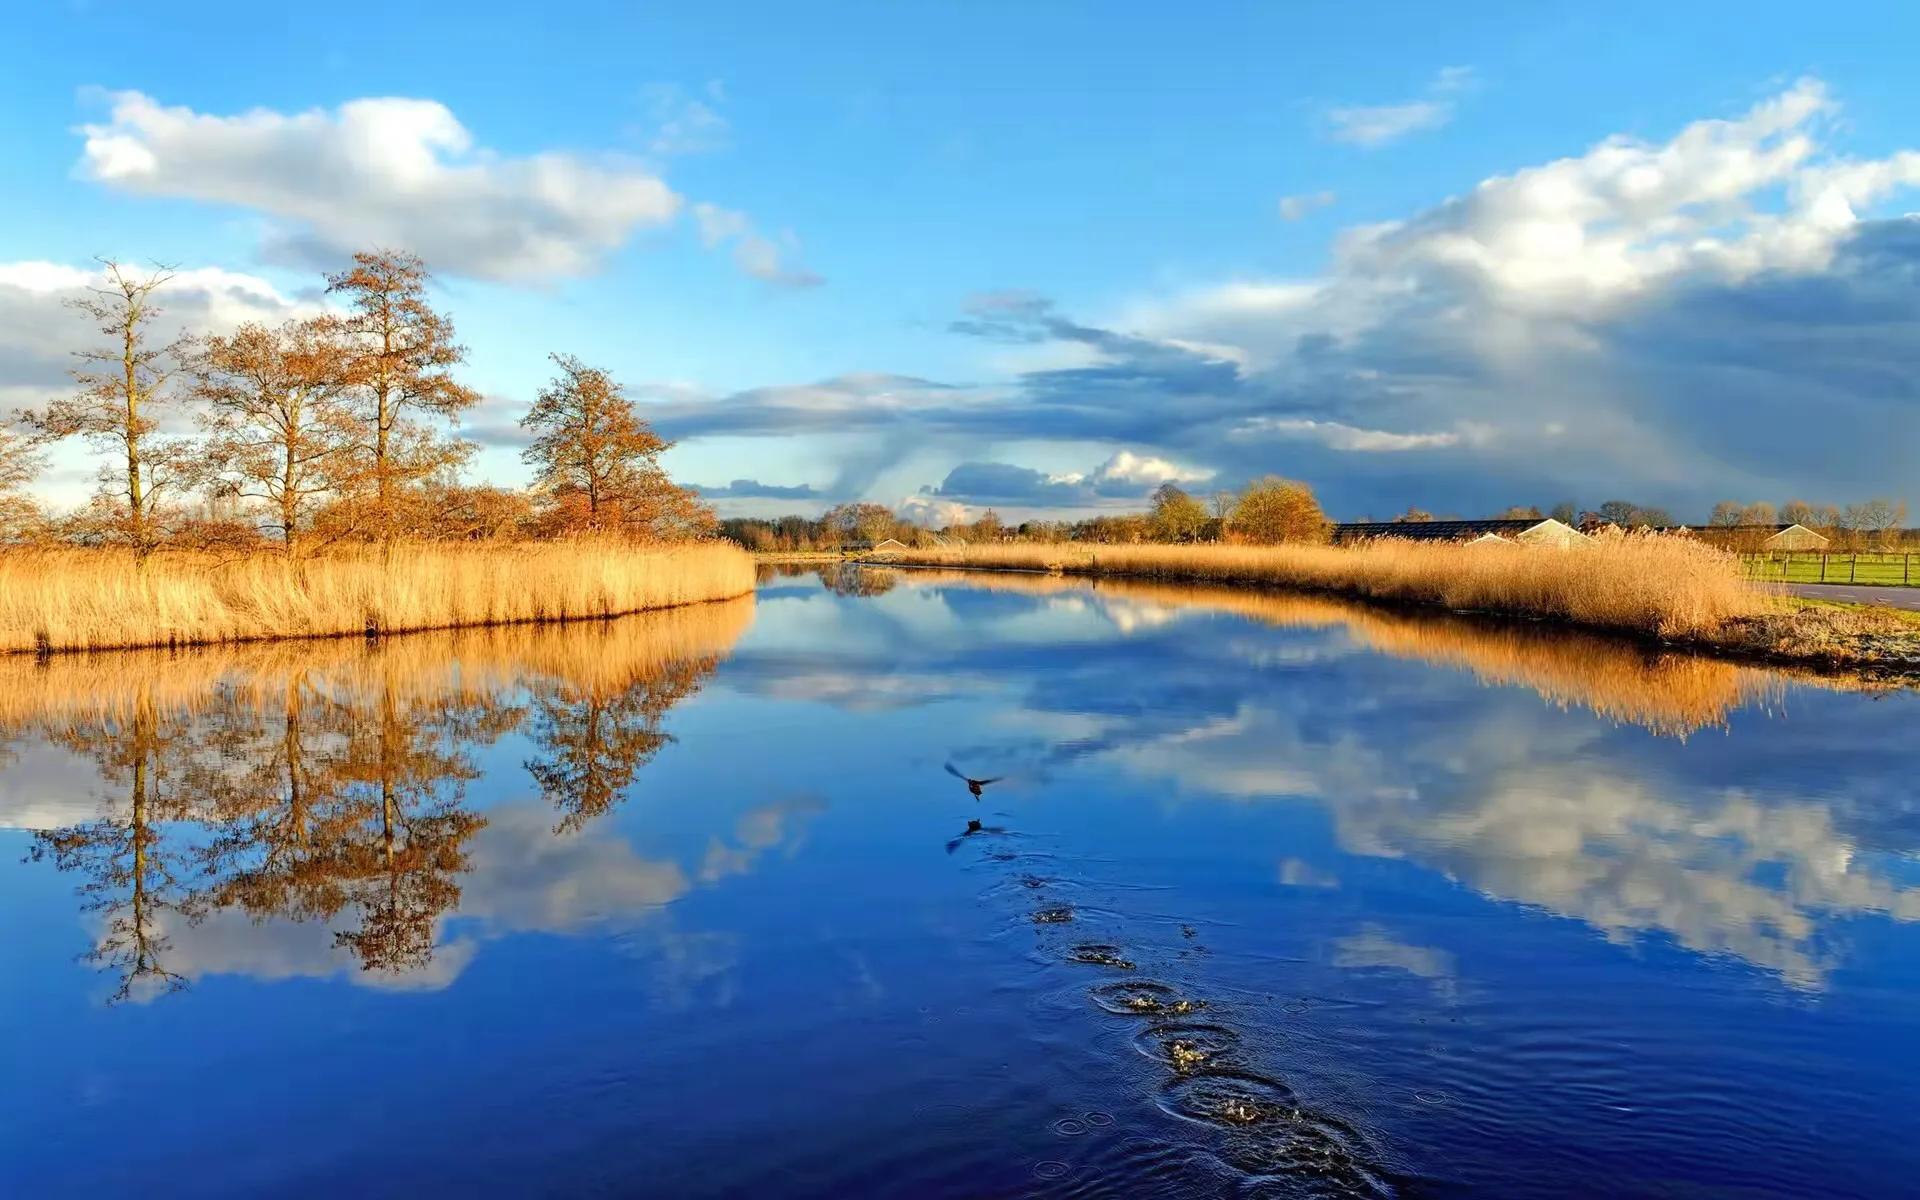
x,y
135,872
593,741
326,782
852,579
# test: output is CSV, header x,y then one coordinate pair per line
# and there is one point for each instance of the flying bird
x,y
973,785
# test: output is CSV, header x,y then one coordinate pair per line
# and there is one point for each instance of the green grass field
x,y
1887,570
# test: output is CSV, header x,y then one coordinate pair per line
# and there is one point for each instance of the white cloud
x,y
1641,293
1347,437
382,171
681,123
1293,208
758,256
1144,470
1579,232
1373,125
1124,476
1376,125
932,513
1651,318
38,332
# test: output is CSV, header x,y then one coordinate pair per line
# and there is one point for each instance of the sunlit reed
x,y
76,599
1667,586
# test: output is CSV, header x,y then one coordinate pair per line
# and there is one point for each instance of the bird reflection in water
x,y
974,828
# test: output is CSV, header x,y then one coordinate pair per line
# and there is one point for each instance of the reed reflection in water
x,y
1260,894
1672,694
1737,860
326,783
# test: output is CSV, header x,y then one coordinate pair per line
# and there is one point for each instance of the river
x,y
918,883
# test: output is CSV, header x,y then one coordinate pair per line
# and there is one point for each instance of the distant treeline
x,y
1268,511
336,428
1877,524
1272,511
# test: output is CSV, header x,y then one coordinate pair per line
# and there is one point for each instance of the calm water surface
x,y
1264,896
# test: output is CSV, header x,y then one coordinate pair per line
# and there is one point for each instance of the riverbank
x,y
1673,590
1668,691
595,660
784,557
101,599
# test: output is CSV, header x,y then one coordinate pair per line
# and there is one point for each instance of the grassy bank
x,y
77,599
1674,589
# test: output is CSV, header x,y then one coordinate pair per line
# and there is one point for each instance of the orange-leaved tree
x,y
1274,510
276,409
598,461
401,354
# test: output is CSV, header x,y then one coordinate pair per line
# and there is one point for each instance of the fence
x,y
1882,569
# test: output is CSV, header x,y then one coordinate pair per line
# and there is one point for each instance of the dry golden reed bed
x,y
1665,586
599,659
1672,588
83,599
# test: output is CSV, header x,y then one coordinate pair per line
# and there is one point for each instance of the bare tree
x,y
18,466
277,413
124,385
1876,522
401,353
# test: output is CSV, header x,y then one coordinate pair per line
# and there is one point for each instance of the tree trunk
x,y
383,422
136,497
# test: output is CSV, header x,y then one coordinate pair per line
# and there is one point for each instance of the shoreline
x,y
370,636
83,601
1761,641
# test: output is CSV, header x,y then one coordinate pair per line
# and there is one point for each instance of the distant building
x,y
1762,537
1795,537
886,544
1531,531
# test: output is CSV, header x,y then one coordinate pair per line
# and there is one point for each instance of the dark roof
x,y
1437,531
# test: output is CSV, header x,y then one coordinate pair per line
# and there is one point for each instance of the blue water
x,y
692,905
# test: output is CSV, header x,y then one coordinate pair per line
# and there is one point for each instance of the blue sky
x,y
1042,257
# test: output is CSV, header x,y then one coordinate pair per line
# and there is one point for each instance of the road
x,y
1894,597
